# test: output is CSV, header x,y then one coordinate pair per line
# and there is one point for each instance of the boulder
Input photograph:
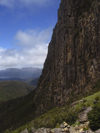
x,y
43,130
63,125
65,130
98,131
25,131
33,130
56,130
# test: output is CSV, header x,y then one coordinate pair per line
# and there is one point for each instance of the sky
x,y
25,31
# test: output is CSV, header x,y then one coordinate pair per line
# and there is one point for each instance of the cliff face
x,y
73,61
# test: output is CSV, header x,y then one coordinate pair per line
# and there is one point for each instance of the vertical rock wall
x,y
73,60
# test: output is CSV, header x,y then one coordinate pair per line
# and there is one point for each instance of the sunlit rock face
x,y
73,61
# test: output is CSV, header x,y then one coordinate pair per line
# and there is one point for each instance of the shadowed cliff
x,y
73,61
72,66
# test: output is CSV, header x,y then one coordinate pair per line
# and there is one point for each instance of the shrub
x,y
71,117
94,117
97,85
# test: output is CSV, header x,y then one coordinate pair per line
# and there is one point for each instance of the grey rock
x,y
98,131
33,130
83,115
57,130
43,130
25,131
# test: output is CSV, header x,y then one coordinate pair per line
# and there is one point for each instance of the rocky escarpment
x,y
73,61
63,128
71,69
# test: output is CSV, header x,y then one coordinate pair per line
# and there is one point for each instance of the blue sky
x,y
25,31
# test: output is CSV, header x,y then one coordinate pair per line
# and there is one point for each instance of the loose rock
x,y
25,131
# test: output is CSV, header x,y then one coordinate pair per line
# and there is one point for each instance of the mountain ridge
x,y
72,67
20,74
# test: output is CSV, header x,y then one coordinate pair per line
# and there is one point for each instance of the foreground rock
x,y
43,130
64,128
25,131
98,131
59,130
83,115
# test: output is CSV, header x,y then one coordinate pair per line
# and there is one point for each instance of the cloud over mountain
x,y
30,52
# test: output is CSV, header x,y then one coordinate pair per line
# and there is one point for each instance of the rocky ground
x,y
81,126
64,128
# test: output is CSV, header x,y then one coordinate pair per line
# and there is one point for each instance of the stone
x,y
57,130
33,130
72,65
98,131
83,115
65,129
72,130
81,130
77,128
64,124
43,130
25,131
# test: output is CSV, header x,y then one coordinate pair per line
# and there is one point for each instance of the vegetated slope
x,y
33,81
13,89
18,112
53,118
72,67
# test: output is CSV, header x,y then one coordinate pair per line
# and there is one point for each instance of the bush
x,y
71,117
94,117
97,85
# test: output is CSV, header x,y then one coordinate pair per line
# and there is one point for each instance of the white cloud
x,y
7,3
37,2
11,3
33,37
31,52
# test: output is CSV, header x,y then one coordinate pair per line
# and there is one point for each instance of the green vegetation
x,y
56,116
18,112
97,85
94,116
28,126
13,89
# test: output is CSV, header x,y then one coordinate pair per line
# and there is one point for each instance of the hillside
x,y
20,112
71,73
13,89
52,119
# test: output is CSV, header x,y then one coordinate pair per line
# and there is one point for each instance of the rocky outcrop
x,y
25,131
73,61
83,117
64,128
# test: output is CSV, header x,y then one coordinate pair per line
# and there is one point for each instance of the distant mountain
x,y
20,74
71,72
34,82
13,89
